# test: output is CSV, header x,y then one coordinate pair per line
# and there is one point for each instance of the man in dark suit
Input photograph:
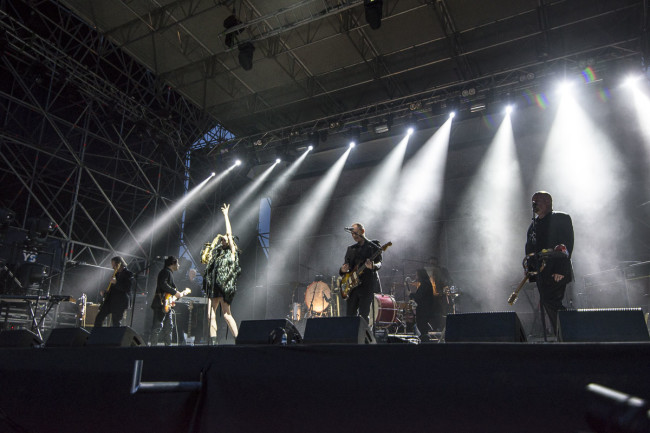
x,y
361,297
549,235
116,297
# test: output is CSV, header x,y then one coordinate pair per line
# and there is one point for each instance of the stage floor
x,y
446,387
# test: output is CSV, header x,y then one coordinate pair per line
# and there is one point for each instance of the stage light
x,y
382,128
373,13
229,23
508,109
238,162
39,230
410,131
310,148
352,144
6,216
631,81
475,108
564,87
213,174
452,114
246,55
277,160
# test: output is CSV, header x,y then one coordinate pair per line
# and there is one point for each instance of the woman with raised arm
x,y
220,282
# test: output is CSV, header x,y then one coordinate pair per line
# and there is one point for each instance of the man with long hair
x,y
116,297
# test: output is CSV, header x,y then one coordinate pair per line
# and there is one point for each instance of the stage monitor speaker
x,y
66,337
338,330
267,332
19,338
484,327
119,336
602,325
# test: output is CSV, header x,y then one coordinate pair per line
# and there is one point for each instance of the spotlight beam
x,y
307,215
280,183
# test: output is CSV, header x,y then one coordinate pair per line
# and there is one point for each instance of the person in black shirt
x,y
116,297
361,297
162,313
550,231
183,314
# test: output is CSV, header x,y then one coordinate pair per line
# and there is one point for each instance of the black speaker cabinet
x,y
267,332
338,330
120,336
19,338
66,337
602,325
484,327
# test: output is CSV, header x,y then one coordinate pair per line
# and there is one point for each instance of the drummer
x,y
361,297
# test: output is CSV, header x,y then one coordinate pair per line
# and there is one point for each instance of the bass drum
x,y
317,297
383,312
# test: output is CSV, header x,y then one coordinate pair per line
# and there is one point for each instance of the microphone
x,y
408,279
349,229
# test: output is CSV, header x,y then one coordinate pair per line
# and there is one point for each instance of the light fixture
x,y
39,230
245,56
475,108
229,23
382,128
373,12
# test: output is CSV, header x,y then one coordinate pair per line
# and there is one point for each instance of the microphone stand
x,y
133,291
537,271
311,303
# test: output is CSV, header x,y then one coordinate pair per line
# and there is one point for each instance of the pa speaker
x,y
338,330
484,327
19,338
602,325
120,336
65,337
267,332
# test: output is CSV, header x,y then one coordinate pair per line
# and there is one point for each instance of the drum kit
x,y
317,301
395,316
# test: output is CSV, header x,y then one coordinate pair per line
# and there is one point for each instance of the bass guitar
x,y
351,279
169,301
513,297
108,289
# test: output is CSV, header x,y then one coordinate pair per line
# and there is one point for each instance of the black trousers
x,y
550,297
162,325
116,316
112,306
360,300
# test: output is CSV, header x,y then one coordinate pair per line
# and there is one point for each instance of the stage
x,y
445,387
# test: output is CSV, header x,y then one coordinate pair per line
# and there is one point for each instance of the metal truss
x,y
90,138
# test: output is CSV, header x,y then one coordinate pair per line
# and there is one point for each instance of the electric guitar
x,y
513,297
107,291
351,279
169,301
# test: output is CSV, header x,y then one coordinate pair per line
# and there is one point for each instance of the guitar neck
x,y
372,258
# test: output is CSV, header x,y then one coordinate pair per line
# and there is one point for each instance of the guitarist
x,y
551,230
116,297
357,255
162,320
